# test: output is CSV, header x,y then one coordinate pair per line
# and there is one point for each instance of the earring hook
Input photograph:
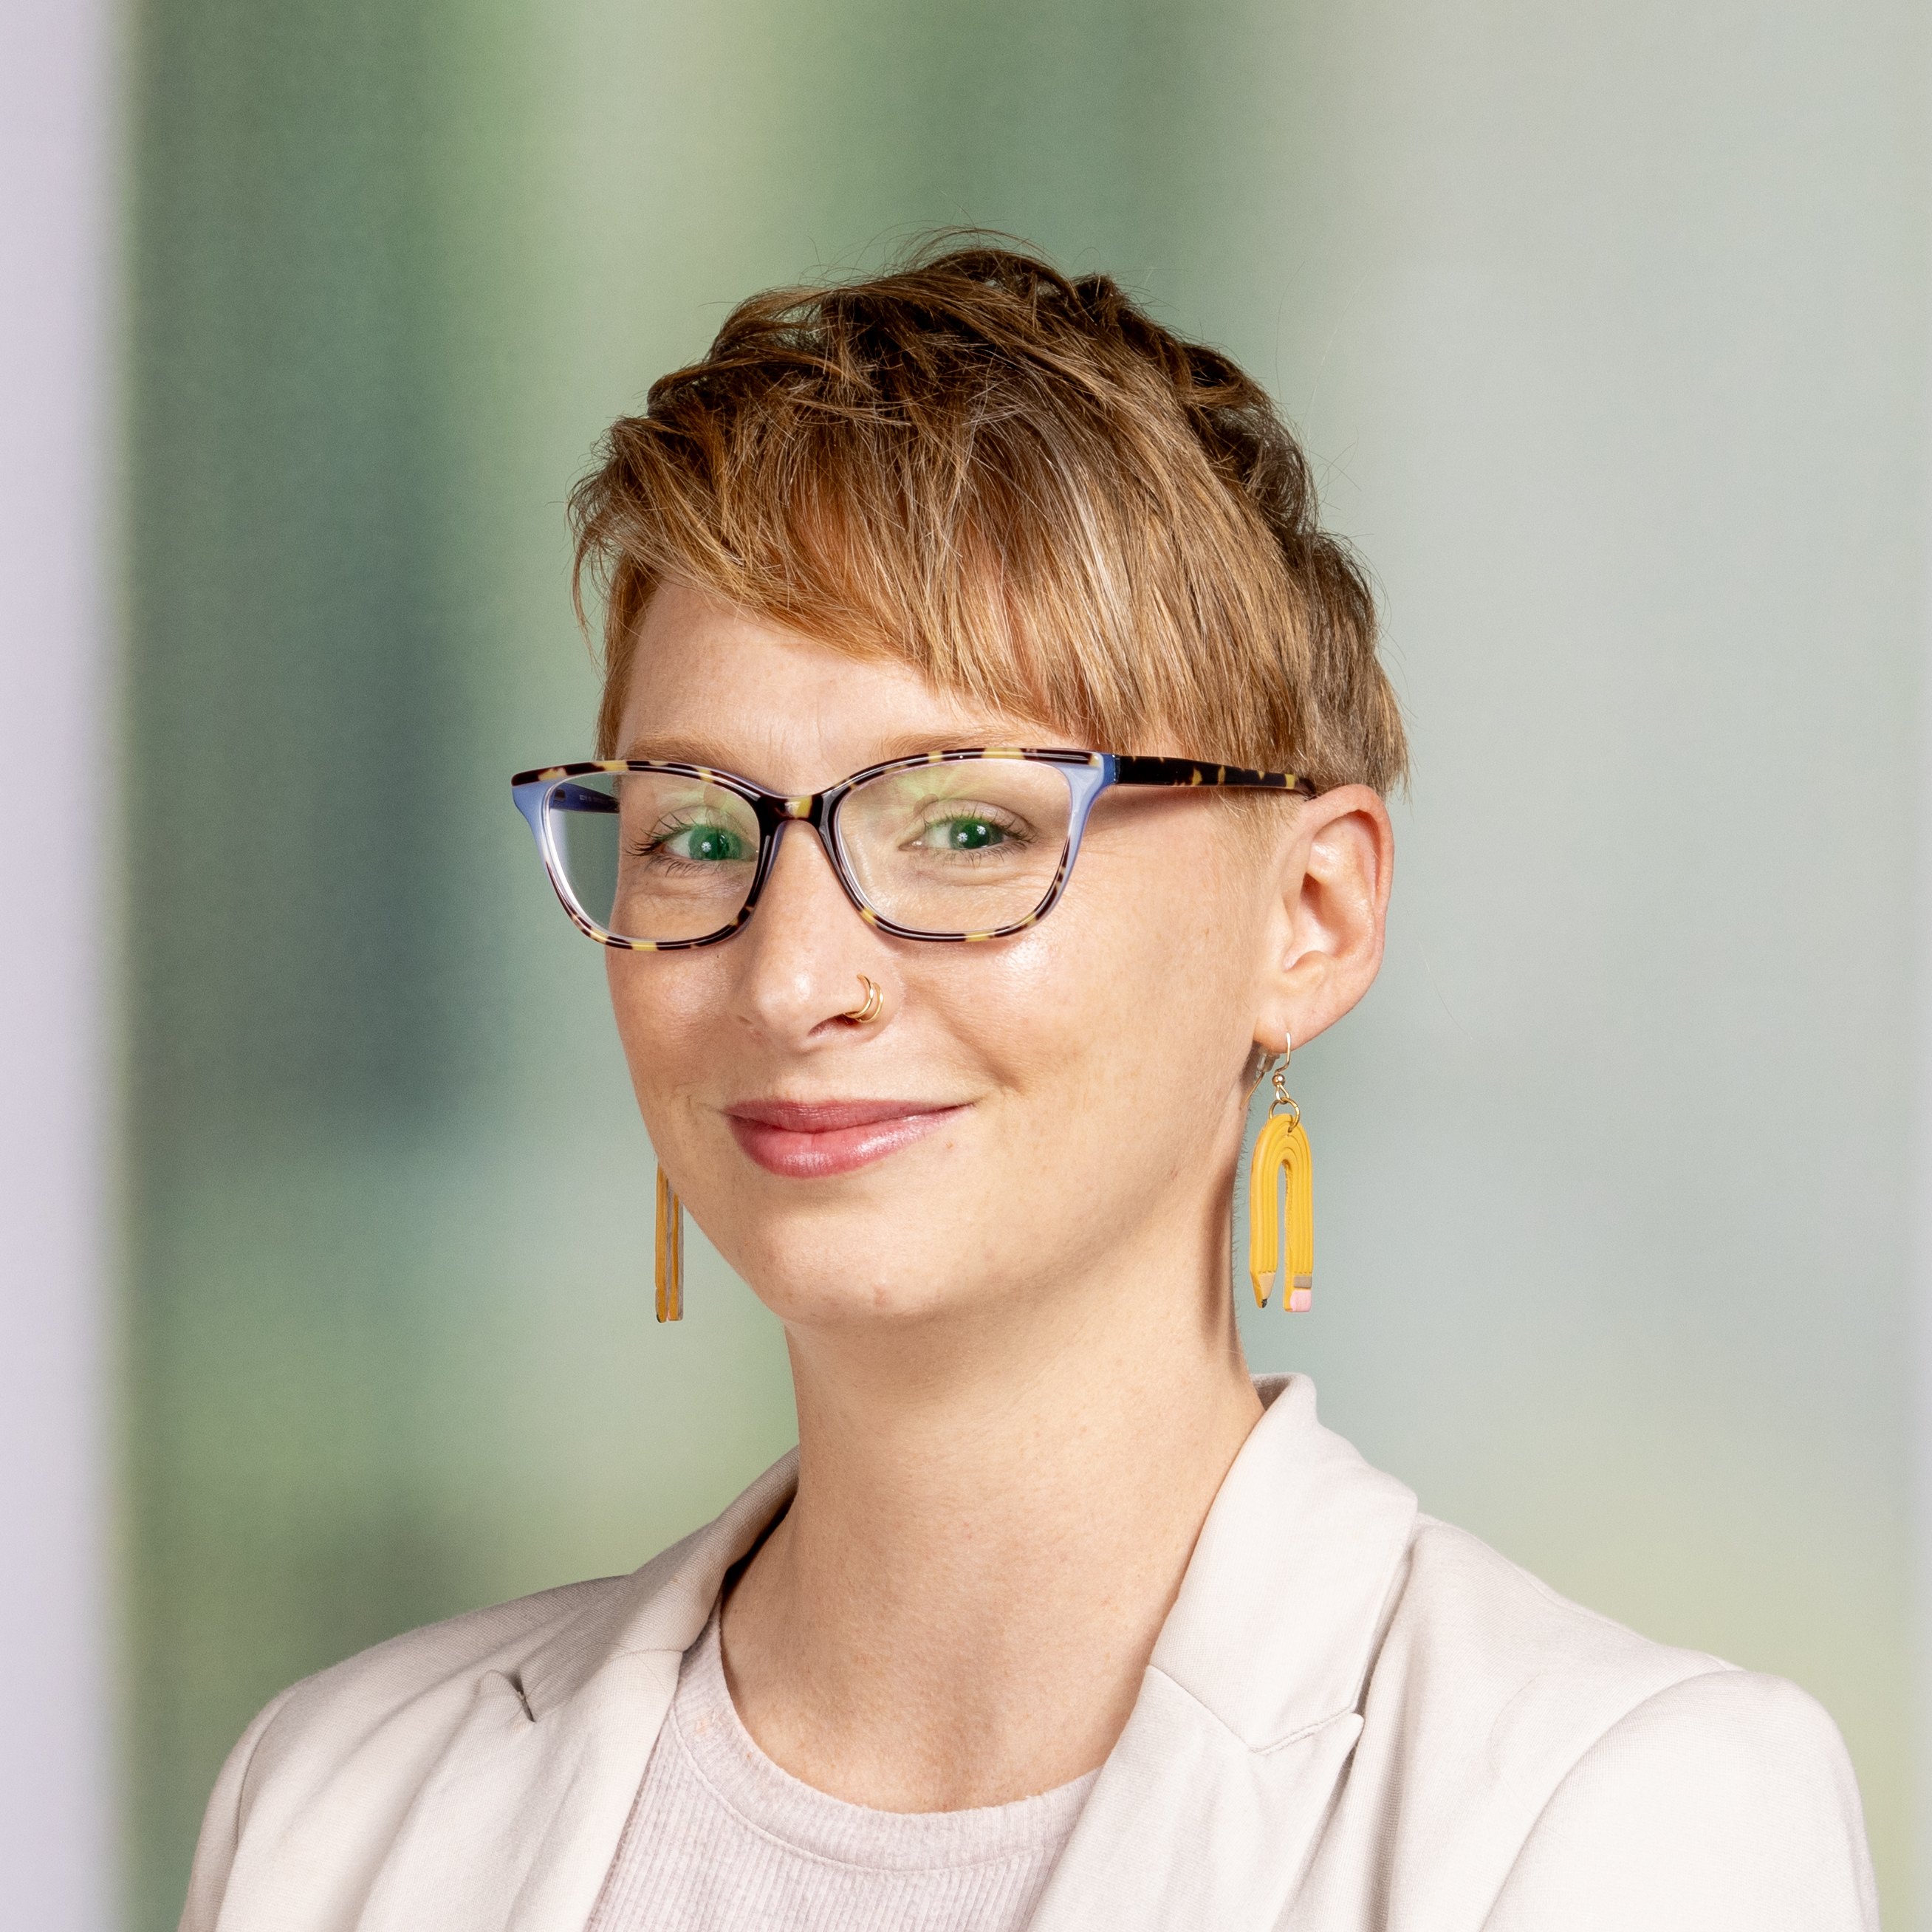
x,y
1279,1070
1282,1098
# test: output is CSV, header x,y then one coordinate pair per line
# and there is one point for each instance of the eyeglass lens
x,y
965,847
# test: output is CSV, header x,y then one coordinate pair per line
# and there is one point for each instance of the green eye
x,y
708,845
962,835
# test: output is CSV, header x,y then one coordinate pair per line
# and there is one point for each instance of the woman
x,y
1056,1617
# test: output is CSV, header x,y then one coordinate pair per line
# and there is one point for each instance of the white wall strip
x,y
57,221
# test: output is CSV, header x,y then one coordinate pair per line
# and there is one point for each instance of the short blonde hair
x,y
1022,486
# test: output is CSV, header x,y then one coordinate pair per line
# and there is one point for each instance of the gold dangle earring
x,y
670,1251
1281,1147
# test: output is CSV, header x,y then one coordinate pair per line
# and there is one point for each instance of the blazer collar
x,y
662,1608
1209,1808
1278,1611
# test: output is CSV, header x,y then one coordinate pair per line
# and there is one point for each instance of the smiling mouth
x,y
806,1140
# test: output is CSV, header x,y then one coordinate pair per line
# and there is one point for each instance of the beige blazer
x,y
1355,1718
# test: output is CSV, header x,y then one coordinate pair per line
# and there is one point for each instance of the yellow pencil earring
x,y
1281,1148
670,1251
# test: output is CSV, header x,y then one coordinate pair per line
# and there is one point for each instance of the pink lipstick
x,y
807,1140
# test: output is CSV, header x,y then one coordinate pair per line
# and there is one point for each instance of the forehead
x,y
711,684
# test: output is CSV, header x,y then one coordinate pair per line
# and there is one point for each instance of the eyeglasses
x,y
949,845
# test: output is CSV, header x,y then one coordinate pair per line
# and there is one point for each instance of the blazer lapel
x,y
1205,1813
514,1827
1208,1808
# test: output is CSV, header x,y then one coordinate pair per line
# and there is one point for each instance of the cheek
x,y
666,1007
1159,947
1130,1000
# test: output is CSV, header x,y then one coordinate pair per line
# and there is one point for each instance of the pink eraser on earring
x,y
1300,1300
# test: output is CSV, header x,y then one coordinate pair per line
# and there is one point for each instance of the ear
x,y
1325,928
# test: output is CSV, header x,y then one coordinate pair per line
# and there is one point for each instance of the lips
x,y
806,1140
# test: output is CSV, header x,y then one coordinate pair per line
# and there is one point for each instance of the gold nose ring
x,y
870,1007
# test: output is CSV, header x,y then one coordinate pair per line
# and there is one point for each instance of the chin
x,y
831,1298
820,1271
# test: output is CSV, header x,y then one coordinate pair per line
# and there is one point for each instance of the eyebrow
x,y
676,751
905,745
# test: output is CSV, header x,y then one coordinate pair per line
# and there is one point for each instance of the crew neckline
x,y
707,1729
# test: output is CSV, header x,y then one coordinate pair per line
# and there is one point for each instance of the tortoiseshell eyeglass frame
x,y
1087,775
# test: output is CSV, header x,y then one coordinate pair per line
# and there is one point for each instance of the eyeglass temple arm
x,y
529,793
582,798
1139,771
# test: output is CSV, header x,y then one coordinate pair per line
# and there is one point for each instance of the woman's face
x,y
1026,1109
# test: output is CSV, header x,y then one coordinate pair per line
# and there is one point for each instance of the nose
x,y
804,947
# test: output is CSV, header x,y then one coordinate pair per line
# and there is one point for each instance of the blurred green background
x,y
1605,324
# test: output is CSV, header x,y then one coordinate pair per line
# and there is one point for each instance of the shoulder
x,y
1473,1644
419,1670
331,1772
408,1694
368,1773
1725,1800
1556,1746
373,1722
323,1777
531,1652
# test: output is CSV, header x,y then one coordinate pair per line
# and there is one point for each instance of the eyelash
x,y
949,810
663,837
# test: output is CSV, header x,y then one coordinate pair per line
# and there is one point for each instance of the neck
x,y
993,1515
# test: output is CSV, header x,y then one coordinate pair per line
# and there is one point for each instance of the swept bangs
x,y
1024,487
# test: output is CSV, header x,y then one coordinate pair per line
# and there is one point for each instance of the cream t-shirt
x,y
721,1840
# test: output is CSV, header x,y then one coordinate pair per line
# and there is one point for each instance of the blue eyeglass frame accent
x,y
1087,774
